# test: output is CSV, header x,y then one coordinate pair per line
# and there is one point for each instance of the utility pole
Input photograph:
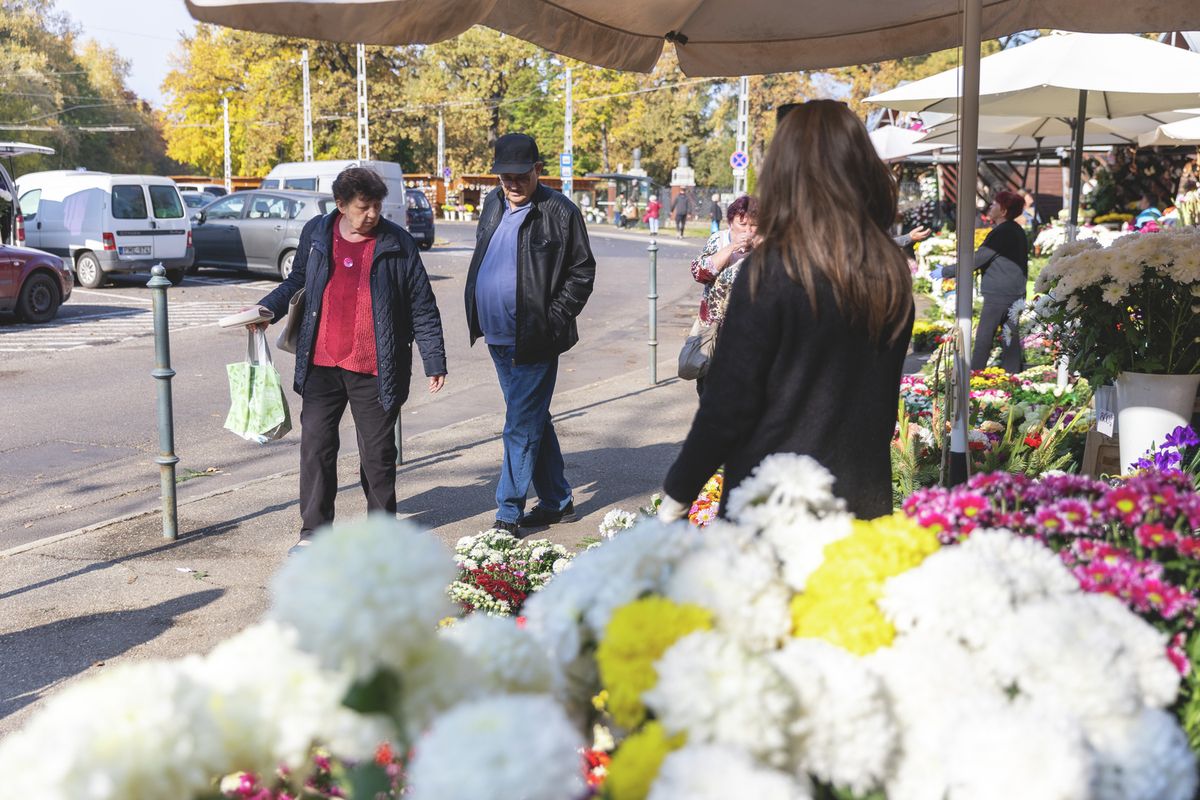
x,y
743,134
441,154
364,136
308,134
566,161
228,165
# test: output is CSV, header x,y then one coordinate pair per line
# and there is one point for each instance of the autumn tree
x,y
59,90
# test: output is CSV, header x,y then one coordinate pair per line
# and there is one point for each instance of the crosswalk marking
x,y
89,330
241,283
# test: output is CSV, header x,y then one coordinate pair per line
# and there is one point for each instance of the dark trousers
x,y
680,222
326,393
531,450
994,316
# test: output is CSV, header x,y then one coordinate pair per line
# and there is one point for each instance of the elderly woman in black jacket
x,y
814,339
366,299
1003,260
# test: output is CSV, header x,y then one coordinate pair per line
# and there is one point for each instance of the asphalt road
x,y
78,434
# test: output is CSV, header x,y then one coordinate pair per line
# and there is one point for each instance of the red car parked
x,y
32,283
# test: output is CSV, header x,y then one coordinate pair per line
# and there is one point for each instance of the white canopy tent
x,y
717,37
893,143
1173,134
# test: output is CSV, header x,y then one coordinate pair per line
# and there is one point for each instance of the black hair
x,y
355,182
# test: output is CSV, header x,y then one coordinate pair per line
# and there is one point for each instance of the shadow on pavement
x,y
37,658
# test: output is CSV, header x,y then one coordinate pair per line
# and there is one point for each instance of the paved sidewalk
x,y
120,592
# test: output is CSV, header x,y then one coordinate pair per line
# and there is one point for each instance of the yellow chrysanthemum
x,y
636,763
839,601
637,636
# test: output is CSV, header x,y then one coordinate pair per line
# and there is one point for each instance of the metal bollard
x,y
166,423
653,298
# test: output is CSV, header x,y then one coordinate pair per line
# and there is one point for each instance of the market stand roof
x,y
711,37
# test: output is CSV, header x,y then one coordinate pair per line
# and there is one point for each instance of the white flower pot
x,y
1150,407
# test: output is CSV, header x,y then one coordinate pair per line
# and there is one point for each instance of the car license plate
x,y
134,250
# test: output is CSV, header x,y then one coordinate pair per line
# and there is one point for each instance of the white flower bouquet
x,y
1128,307
813,655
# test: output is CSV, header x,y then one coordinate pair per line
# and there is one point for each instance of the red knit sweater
x,y
346,335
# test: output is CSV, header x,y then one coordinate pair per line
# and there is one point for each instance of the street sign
x,y
446,173
565,171
738,160
565,160
739,172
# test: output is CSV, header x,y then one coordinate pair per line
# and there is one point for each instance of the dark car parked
x,y
420,218
32,283
255,229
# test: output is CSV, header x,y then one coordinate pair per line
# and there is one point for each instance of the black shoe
x,y
300,546
540,516
507,527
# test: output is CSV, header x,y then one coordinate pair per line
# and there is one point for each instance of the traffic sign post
x,y
739,160
446,173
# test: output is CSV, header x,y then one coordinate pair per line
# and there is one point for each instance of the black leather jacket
x,y
402,304
555,271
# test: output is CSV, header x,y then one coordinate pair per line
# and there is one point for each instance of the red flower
x,y
1033,440
384,754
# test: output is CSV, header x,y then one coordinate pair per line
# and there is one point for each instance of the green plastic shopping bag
x,y
258,408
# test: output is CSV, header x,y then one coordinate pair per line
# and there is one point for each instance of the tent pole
x,y
1077,166
968,178
1037,181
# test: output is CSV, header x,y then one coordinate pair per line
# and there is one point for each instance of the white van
x,y
317,176
107,223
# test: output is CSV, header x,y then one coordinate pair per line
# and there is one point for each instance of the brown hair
x,y
825,204
361,182
745,204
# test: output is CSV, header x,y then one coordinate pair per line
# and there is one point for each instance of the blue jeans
x,y
531,450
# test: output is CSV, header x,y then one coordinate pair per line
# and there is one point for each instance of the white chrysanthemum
x,y
707,772
273,702
1145,646
801,545
927,680
510,660
1058,651
576,605
437,678
1143,758
740,584
136,730
1016,750
366,595
844,733
499,748
615,521
784,487
959,591
716,692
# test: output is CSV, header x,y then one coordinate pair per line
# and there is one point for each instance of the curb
x,y
134,515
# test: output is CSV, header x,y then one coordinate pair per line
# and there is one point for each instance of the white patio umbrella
x,y
1173,134
894,143
1029,133
1074,75
718,37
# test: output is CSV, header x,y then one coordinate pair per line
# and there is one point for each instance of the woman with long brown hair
x,y
818,324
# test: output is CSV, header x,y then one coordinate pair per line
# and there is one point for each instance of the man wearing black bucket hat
x,y
530,276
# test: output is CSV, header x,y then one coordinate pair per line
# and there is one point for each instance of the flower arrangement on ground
x,y
498,571
1021,423
793,648
1133,539
1126,307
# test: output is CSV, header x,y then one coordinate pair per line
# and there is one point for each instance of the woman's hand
x,y
436,382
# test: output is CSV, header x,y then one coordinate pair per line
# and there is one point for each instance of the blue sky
x,y
143,31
